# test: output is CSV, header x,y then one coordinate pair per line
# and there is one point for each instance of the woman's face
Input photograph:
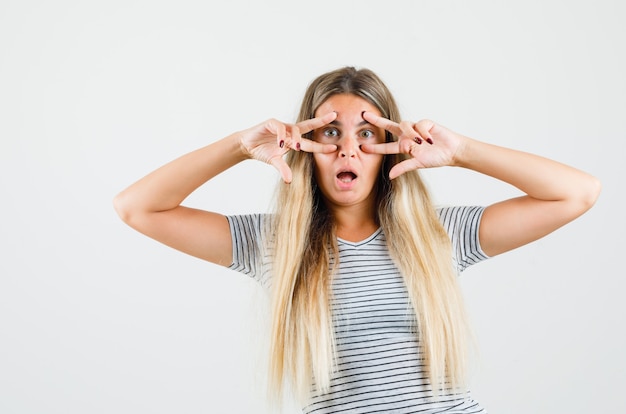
x,y
347,177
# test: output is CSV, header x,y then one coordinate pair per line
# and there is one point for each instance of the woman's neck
x,y
355,223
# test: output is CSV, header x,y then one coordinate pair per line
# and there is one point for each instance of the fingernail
x,y
430,141
418,140
362,115
361,147
297,146
281,143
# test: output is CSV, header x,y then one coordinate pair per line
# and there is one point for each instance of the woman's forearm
x,y
166,187
538,177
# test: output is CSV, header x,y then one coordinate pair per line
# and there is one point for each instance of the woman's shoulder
x,y
460,212
251,225
255,217
455,219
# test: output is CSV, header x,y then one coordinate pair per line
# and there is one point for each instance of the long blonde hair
x,y
302,347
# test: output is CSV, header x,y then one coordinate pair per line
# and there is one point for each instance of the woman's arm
x,y
152,205
555,193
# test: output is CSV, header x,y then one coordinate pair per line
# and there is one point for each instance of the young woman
x,y
367,315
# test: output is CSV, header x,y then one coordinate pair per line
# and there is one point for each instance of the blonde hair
x,y
302,347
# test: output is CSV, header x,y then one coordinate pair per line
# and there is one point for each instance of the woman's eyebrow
x,y
339,124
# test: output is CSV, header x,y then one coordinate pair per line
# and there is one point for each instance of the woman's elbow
x,y
589,193
123,207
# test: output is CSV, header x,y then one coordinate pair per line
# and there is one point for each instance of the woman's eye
x,y
331,133
367,133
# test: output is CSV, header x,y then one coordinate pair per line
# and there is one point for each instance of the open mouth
x,y
346,176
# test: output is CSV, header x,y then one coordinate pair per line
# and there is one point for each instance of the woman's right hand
x,y
153,207
272,139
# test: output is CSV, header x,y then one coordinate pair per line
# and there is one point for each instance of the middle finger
x,y
314,123
382,122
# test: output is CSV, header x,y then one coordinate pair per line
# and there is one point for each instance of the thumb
x,y
282,167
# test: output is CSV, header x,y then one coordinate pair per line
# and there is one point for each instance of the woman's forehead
x,y
346,106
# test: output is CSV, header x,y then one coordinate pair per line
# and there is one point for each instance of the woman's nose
x,y
348,147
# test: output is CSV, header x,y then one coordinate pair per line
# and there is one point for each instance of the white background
x,y
96,318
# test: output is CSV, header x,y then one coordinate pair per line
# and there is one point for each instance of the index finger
x,y
383,123
308,145
314,123
386,148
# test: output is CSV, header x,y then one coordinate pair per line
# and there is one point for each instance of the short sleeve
x,y
249,253
462,224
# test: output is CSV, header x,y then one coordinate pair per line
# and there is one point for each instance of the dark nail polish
x,y
362,115
418,140
297,146
430,141
361,147
281,143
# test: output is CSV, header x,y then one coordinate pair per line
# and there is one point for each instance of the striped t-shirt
x,y
379,359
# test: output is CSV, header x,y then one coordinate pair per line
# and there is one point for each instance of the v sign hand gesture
x,y
428,144
272,139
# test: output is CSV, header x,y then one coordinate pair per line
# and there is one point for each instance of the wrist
x,y
236,146
463,154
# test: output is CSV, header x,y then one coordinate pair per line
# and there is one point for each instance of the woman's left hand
x,y
427,143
